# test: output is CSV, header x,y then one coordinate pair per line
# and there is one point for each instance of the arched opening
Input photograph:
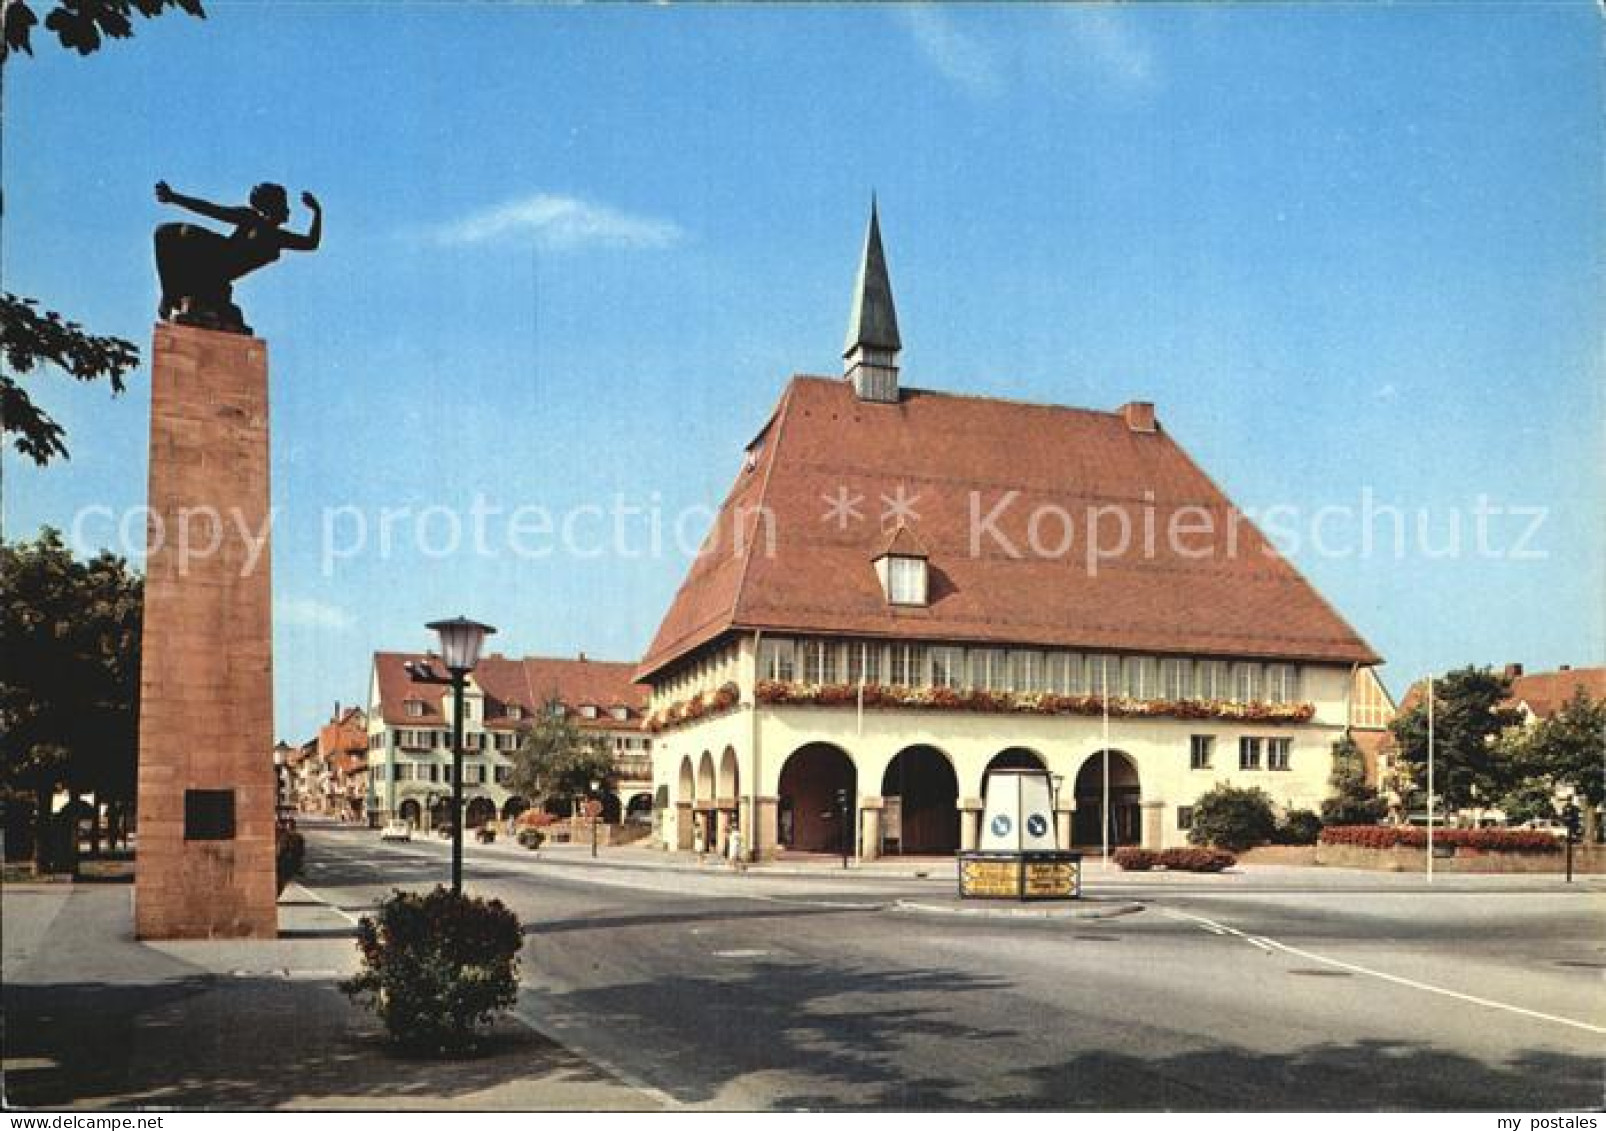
x,y
411,812
440,813
1015,758
1125,818
687,786
925,816
810,819
559,806
513,806
729,775
705,779
480,810
612,810
638,810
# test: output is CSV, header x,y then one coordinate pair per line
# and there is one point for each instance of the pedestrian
x,y
733,848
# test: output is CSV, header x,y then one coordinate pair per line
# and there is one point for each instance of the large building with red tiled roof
x,y
410,732
908,588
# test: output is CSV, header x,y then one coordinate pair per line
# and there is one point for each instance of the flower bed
x,y
876,695
1195,859
1135,859
1527,842
1174,859
701,706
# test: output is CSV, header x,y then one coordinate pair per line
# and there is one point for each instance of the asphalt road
x,y
751,992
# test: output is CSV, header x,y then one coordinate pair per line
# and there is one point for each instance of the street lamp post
x,y
595,811
460,641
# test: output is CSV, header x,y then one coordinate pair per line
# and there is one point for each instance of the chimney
x,y
1565,668
1140,416
870,359
1512,671
582,657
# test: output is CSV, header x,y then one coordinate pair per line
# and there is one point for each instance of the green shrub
x,y
436,967
1134,859
1234,819
1195,859
531,838
289,855
1297,826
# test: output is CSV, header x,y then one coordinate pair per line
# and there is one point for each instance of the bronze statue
x,y
198,266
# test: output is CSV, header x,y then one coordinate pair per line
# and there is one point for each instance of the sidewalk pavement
x,y
95,1019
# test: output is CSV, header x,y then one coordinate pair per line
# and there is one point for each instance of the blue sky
x,y
572,253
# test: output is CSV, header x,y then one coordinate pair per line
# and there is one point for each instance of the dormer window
x,y
558,710
414,708
588,711
906,581
621,714
901,566
514,711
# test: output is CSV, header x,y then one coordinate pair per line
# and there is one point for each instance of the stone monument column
x,y
205,861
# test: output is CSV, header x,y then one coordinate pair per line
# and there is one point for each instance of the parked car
x,y
396,830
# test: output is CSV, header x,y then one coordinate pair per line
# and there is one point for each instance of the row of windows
x,y
475,741
820,661
1201,751
708,673
416,709
435,772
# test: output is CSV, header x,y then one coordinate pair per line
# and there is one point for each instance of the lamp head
x,y
461,640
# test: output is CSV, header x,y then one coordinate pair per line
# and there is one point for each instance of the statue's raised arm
x,y
198,266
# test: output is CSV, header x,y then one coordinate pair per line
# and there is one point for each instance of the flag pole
x,y
1430,779
1104,814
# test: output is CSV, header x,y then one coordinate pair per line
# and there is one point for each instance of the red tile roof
x,y
1545,693
529,683
823,444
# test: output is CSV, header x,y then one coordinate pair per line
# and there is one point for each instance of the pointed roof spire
x,y
874,321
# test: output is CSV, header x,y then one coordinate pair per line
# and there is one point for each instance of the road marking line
x,y
559,1036
1410,983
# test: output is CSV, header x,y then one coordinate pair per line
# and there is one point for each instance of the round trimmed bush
x,y
1233,819
436,967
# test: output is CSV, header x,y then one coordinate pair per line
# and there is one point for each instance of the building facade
x,y
907,589
409,734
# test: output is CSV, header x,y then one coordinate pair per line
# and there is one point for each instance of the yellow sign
x,y
1051,881
999,879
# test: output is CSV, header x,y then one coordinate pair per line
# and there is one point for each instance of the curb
x,y
1016,911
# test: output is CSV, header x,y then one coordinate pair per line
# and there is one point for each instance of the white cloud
x,y
960,57
1107,43
560,223
1387,393
307,612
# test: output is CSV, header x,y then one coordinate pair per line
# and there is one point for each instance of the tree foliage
x,y
1232,818
69,674
29,340
1563,754
82,25
1352,801
557,759
1467,722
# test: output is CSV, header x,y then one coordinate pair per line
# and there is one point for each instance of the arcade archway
x,y
411,812
924,819
479,811
1125,817
1014,758
809,818
513,806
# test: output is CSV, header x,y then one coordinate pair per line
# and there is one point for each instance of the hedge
x,y
1525,841
1135,859
1196,859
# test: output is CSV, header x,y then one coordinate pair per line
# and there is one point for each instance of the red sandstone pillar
x,y
204,864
